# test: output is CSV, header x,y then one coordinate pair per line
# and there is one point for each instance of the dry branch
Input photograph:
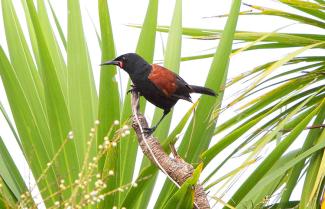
x,y
176,169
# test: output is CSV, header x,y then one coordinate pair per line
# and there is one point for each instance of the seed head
x,y
70,135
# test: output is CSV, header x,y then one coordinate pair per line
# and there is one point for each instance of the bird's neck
x,y
139,70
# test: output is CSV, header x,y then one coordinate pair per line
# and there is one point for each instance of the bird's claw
x,y
149,130
129,91
132,89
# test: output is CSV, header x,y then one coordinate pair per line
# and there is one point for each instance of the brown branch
x,y
308,127
290,129
176,169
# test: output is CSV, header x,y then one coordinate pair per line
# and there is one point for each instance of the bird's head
x,y
129,62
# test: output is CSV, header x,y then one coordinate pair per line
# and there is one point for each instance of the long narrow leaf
x,y
25,121
10,174
82,97
57,110
273,157
109,100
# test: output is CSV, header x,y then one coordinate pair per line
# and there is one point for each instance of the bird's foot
x,y
149,130
132,89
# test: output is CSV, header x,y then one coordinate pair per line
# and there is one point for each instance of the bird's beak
x,y
117,63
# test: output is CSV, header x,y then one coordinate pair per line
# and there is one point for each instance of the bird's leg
x,y
151,130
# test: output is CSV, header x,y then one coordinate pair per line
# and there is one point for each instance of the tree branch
x,y
176,169
308,127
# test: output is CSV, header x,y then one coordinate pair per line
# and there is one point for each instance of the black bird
x,y
157,84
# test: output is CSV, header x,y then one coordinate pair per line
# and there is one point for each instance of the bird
x,y
157,84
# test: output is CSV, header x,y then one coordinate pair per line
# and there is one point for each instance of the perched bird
x,y
157,84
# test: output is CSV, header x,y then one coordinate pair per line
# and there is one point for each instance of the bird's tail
x,y
203,90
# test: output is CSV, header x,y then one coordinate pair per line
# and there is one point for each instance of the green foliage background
x,y
81,157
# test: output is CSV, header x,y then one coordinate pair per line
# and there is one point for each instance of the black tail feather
x,y
203,90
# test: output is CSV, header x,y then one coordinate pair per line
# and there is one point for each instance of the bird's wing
x,y
163,79
183,90
171,84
